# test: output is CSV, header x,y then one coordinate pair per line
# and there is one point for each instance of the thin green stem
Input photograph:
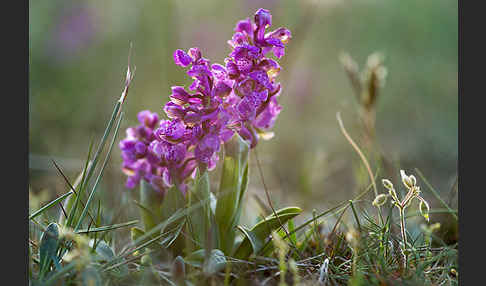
x,y
363,158
404,234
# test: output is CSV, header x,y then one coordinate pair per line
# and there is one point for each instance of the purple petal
x,y
245,87
219,71
148,118
157,148
263,18
226,134
282,34
244,26
221,89
198,70
232,69
192,118
195,54
266,119
179,95
275,42
278,52
132,182
140,148
127,144
261,96
262,78
158,183
181,58
238,39
174,111
174,153
246,108
170,130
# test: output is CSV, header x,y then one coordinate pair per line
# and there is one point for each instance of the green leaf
x,y
254,239
243,187
105,253
233,184
174,201
103,250
214,263
150,205
202,218
48,247
293,236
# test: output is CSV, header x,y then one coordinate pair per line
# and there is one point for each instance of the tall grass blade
x,y
434,192
73,209
108,227
49,205
91,195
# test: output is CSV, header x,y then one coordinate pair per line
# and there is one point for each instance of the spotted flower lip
x,y
239,96
171,131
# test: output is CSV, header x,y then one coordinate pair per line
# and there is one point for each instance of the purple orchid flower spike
x,y
239,96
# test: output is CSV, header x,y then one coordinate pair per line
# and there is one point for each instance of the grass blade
x,y
72,209
108,227
434,192
49,205
91,195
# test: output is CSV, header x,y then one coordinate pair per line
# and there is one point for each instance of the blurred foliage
x,y
78,57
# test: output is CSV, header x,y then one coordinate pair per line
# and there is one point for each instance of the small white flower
x,y
409,183
387,184
323,272
380,200
424,208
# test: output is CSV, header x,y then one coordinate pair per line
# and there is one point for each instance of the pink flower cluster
x,y
240,97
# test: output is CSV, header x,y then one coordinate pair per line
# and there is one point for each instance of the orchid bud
x,y
387,184
413,179
406,180
424,209
380,200
181,58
